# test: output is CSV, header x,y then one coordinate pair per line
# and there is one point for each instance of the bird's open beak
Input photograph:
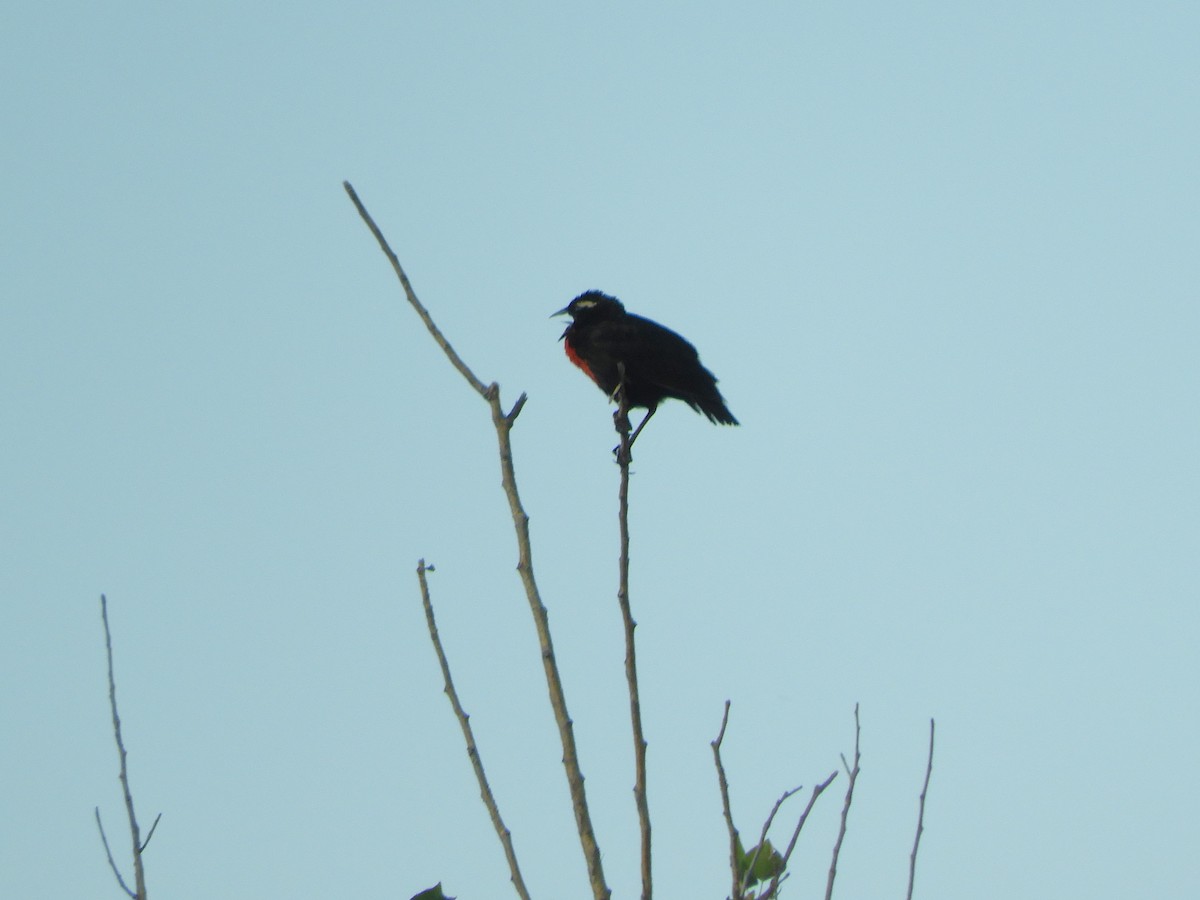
x,y
561,312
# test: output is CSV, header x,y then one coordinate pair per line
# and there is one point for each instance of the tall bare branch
x,y
635,703
503,423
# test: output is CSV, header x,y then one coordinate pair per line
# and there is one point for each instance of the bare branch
x,y
762,838
635,704
462,367
146,842
111,863
503,425
516,410
773,889
139,872
852,774
485,790
723,782
912,860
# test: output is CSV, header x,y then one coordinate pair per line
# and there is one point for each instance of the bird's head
x,y
592,306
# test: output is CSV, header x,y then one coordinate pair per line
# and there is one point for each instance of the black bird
x,y
658,362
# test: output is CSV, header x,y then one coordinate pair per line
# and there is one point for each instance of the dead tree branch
x,y
111,862
485,790
773,890
723,782
503,423
139,872
635,703
762,838
852,775
912,859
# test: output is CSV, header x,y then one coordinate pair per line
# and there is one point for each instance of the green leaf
x,y
434,893
767,864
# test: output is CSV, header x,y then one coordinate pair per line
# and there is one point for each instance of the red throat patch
x,y
578,360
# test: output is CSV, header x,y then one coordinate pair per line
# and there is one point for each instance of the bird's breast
x,y
573,356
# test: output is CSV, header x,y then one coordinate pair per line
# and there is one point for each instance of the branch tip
x,y
912,859
517,407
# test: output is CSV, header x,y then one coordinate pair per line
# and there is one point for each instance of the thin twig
x,y
485,790
462,367
146,842
503,424
139,872
111,862
773,889
912,860
724,785
762,838
853,777
635,703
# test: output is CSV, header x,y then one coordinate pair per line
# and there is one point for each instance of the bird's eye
x,y
584,304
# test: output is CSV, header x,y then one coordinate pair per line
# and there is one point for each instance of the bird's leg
x,y
649,412
621,417
633,437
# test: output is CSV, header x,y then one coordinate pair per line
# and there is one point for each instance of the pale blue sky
x,y
942,256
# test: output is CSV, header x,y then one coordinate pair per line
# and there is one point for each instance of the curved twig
x,y
111,862
464,721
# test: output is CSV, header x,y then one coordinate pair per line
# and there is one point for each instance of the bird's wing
x,y
667,360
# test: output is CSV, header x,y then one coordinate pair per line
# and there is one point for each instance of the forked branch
x,y
743,875
139,871
503,423
773,890
723,784
852,778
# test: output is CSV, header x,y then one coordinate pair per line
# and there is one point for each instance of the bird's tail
x,y
714,408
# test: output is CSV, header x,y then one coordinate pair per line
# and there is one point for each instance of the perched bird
x,y
658,363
